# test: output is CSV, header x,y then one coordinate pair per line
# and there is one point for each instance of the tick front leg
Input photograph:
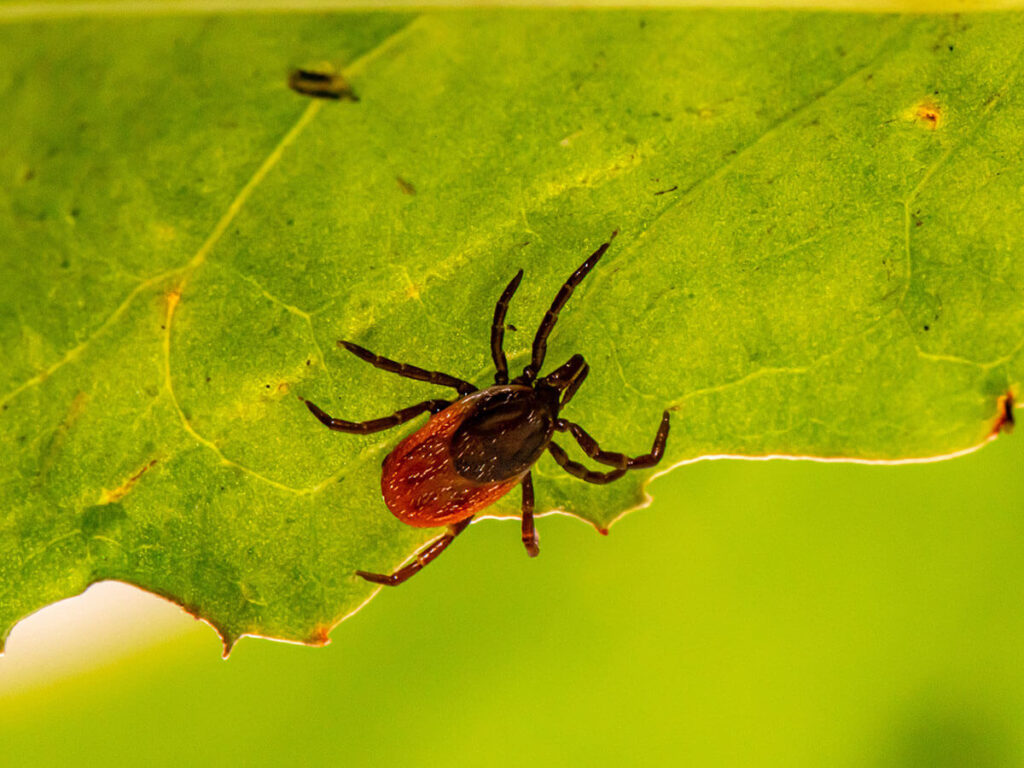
x,y
376,425
576,469
618,460
423,557
408,371
498,330
530,539
540,341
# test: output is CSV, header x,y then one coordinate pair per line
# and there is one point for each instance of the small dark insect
x,y
475,449
320,85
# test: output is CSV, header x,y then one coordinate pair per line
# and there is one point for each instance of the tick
x,y
478,447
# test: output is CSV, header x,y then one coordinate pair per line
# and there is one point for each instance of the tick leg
x,y
377,425
423,557
498,330
540,341
576,469
530,539
574,385
618,460
408,371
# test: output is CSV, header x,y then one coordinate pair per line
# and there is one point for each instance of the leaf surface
x,y
820,254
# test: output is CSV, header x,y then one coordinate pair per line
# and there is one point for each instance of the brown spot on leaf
x,y
108,497
320,636
173,297
927,113
59,436
1004,416
405,186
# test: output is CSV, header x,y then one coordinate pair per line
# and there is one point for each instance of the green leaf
x,y
819,255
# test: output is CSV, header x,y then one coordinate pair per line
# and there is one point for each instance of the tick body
x,y
478,447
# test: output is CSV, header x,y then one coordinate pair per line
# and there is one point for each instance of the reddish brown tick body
x,y
428,481
473,451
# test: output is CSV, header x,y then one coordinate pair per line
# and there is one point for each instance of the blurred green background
x,y
758,614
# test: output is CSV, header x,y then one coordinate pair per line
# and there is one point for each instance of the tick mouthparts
x,y
565,374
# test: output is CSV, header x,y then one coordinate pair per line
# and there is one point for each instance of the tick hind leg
x,y
423,557
376,425
408,371
530,539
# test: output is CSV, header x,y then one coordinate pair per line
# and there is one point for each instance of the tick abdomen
x,y
466,457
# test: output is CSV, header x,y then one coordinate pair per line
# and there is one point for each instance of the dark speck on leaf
x,y
207,379
510,327
321,84
670,189
927,327
405,186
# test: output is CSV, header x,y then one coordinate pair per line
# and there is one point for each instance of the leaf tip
x,y
228,642
319,637
1004,415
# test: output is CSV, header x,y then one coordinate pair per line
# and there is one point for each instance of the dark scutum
x,y
503,436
